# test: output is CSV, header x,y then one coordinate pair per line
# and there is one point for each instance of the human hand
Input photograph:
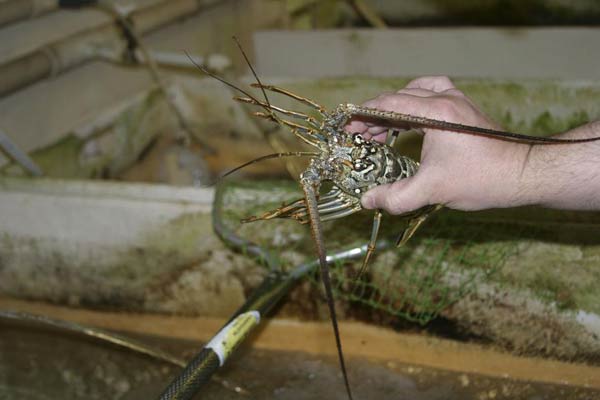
x,y
459,170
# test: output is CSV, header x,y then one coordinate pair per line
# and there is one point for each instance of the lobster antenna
x,y
264,92
267,157
231,85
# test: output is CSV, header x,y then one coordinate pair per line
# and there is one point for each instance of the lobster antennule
x,y
308,135
237,42
264,115
294,96
295,114
231,85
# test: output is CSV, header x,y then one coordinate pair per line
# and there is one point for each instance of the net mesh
x,y
417,282
441,264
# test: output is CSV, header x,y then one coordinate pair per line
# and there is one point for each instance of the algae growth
x,y
466,267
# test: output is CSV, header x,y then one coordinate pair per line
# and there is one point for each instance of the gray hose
x,y
96,333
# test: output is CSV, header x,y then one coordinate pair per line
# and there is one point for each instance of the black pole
x,y
275,285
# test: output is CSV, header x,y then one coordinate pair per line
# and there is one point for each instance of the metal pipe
x,y
17,10
57,57
8,147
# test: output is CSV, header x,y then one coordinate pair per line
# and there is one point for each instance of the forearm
x,y
470,172
563,176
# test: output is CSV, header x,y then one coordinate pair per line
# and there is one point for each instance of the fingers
x,y
430,96
435,106
367,130
416,92
406,103
356,126
436,84
400,197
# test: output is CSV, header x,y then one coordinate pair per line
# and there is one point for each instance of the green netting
x,y
441,264
417,282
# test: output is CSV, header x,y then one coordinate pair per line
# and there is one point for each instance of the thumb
x,y
399,197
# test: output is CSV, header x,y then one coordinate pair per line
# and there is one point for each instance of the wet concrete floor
x,y
40,364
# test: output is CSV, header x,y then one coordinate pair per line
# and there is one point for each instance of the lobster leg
x,y
342,213
372,243
327,207
297,209
308,186
343,208
332,194
415,221
283,211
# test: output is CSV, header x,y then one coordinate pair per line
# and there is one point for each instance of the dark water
x,y
37,363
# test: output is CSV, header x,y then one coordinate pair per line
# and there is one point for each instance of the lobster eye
x,y
357,138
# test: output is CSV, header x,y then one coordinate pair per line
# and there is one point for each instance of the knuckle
x,y
384,96
455,92
443,81
416,83
447,107
385,102
437,83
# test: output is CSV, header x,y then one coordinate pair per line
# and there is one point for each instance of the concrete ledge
x,y
566,53
360,340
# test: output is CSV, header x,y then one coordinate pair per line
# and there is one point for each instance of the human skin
x,y
471,172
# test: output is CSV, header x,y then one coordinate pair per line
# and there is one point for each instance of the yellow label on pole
x,y
234,333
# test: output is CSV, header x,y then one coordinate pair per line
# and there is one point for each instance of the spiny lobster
x,y
353,164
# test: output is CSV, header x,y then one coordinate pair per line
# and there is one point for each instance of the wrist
x,y
515,184
495,181
563,176
530,188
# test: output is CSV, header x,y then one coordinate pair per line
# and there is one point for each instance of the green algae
x,y
131,133
553,254
532,107
61,159
541,107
